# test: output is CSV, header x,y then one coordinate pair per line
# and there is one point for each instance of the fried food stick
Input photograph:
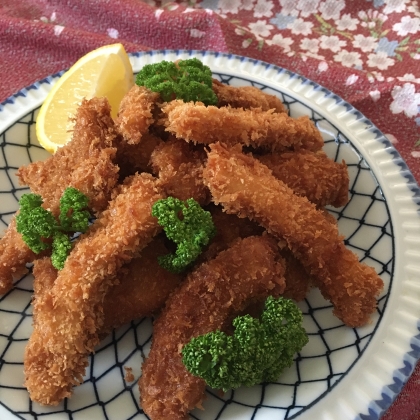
x,y
248,271
141,289
180,170
14,254
66,329
246,97
246,187
132,158
250,127
44,277
135,114
298,281
230,227
311,174
85,163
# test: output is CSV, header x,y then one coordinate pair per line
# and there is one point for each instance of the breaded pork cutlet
x,y
179,168
70,317
311,174
229,228
245,186
246,97
136,115
85,163
207,300
266,130
44,277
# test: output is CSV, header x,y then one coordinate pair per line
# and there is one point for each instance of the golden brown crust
x,y
14,254
249,270
142,289
70,315
132,158
298,281
85,163
230,227
135,114
250,127
44,277
180,170
245,186
246,97
311,174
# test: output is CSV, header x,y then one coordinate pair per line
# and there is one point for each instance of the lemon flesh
x,y
104,72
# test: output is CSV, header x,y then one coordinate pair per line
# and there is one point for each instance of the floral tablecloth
x,y
366,51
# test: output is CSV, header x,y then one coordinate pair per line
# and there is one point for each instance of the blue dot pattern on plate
x,y
333,348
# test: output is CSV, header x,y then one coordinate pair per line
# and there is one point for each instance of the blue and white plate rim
x,y
393,175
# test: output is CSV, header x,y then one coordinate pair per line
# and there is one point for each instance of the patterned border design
x,y
23,93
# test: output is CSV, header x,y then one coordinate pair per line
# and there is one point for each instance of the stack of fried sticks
x,y
264,178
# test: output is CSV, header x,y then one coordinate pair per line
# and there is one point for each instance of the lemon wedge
x,y
105,71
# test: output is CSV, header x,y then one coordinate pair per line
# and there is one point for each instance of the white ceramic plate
x,y
342,373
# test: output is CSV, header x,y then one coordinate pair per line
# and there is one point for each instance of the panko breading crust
x,y
70,316
179,169
85,163
250,270
267,130
136,113
142,289
246,97
311,174
246,187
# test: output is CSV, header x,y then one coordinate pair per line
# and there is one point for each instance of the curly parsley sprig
x,y
40,230
189,80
